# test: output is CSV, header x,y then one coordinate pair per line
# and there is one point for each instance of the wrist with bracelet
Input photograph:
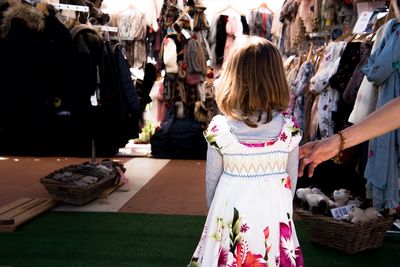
x,y
338,158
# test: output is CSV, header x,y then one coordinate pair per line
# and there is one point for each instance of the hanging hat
x,y
200,5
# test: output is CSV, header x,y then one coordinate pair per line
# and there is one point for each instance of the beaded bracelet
x,y
338,158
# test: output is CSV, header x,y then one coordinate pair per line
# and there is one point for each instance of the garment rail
x,y
106,28
71,7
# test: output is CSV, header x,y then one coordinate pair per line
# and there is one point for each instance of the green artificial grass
x,y
60,239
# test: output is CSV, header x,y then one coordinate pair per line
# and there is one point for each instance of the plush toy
x,y
314,200
302,192
342,197
358,215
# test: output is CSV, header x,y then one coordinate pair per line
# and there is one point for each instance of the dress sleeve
x,y
215,130
214,164
214,168
293,167
294,132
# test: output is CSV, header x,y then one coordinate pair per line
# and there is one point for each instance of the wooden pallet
x,y
20,211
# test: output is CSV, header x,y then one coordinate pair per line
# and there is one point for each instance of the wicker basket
x,y
348,237
73,194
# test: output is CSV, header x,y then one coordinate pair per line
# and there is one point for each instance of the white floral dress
x,y
250,220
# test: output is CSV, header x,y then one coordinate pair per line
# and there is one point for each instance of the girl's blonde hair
x,y
253,81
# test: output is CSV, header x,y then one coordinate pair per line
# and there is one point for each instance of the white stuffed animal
x,y
314,200
342,197
302,192
358,215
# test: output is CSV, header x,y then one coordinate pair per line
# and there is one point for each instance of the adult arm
x,y
383,120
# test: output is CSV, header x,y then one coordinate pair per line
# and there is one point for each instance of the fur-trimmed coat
x,y
35,67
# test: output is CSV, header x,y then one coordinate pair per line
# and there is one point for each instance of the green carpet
x,y
59,239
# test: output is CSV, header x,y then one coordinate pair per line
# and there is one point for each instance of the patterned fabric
x,y
382,168
297,103
327,99
350,93
368,92
250,219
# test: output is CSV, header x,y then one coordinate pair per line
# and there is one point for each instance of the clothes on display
x,y
75,97
86,88
338,94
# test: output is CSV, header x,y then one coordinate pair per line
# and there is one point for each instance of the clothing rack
x,y
106,28
71,7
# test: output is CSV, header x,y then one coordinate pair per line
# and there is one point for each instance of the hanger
x,y
265,6
229,6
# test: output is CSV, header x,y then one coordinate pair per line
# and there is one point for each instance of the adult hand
x,y
313,153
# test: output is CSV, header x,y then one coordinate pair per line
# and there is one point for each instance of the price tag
x,y
362,22
185,33
339,213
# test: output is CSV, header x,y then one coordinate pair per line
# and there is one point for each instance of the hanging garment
x,y
195,57
328,98
36,95
287,17
276,29
348,62
305,14
221,36
245,25
231,30
157,105
212,39
297,104
267,19
350,93
237,232
381,171
170,55
368,92
132,29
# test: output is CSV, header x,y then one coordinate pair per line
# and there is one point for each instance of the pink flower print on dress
x,y
223,257
295,124
214,129
283,137
244,227
289,255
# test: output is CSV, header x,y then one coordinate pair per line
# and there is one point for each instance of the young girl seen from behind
x,y
252,163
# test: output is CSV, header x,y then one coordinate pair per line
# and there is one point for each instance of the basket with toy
x,y
351,229
80,183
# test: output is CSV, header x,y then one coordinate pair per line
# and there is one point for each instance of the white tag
x,y
93,99
339,213
362,22
185,33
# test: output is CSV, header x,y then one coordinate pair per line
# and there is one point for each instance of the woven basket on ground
x,y
344,236
74,194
